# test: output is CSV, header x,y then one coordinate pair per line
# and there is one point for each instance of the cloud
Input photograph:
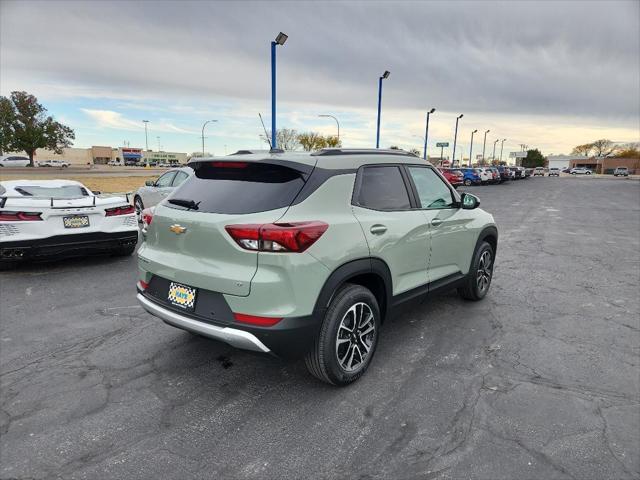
x,y
115,120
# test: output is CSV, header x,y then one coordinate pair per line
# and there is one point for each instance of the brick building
x,y
606,165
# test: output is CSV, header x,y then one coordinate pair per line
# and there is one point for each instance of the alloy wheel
x,y
355,338
483,277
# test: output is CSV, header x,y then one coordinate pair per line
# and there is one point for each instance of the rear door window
x,y
382,188
239,187
180,177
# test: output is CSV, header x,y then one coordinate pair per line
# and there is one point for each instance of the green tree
x,y
7,119
533,159
31,128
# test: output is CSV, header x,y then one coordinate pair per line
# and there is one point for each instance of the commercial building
x,y
101,155
607,165
563,161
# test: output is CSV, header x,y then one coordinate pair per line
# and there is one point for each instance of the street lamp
x,y
501,147
471,148
158,143
337,122
146,138
484,145
493,157
204,125
383,76
455,136
280,39
426,134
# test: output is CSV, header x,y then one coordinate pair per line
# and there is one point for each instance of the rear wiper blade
x,y
190,204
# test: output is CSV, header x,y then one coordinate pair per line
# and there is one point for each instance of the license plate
x,y
76,221
182,296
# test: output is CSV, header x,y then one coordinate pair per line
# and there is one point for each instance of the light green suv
x,y
307,254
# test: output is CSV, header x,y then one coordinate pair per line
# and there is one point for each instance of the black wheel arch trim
x,y
349,270
490,231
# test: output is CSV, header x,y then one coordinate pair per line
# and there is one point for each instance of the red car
x,y
454,177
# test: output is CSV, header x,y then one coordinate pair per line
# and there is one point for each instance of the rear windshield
x,y
238,187
67,191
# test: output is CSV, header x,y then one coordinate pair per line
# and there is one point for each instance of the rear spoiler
x,y
258,159
52,200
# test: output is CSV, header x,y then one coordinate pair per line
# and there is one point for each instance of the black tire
x,y
476,288
125,251
322,361
139,206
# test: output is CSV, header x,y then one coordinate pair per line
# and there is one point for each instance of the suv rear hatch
x,y
187,241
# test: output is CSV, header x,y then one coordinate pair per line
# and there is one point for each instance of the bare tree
x,y
287,138
583,149
603,147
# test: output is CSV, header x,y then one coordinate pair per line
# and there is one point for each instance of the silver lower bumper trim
x,y
232,336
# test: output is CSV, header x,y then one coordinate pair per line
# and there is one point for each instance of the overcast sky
x,y
548,74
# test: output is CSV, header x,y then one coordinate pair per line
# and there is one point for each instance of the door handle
x,y
378,229
436,221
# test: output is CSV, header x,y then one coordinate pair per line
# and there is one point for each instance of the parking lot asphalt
x,y
538,381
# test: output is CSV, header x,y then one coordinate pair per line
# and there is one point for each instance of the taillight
x,y
229,164
277,237
125,210
146,216
20,216
142,284
254,320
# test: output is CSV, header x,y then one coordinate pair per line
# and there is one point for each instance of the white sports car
x,y
59,218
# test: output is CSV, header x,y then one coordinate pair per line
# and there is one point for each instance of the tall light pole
x,y
204,125
426,134
146,138
337,122
158,143
280,39
471,147
501,147
493,157
455,137
484,144
382,77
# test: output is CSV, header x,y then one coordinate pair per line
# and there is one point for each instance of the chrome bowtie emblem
x,y
177,229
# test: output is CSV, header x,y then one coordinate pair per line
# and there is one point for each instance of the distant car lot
x,y
536,379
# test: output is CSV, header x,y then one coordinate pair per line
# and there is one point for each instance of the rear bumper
x,y
292,337
73,244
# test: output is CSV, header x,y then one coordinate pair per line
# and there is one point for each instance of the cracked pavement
x,y
538,381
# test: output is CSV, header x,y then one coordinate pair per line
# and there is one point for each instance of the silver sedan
x,y
155,191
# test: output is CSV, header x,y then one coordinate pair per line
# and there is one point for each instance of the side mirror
x,y
150,183
469,202
97,192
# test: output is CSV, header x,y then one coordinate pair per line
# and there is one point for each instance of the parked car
x,y
554,172
566,170
266,252
54,218
54,163
528,172
471,176
538,171
505,173
454,177
154,191
486,175
519,172
14,161
131,162
495,174
115,162
580,171
624,171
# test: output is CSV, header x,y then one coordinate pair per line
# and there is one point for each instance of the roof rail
x,y
250,152
326,152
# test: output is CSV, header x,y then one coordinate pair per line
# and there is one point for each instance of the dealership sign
x,y
518,155
442,144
